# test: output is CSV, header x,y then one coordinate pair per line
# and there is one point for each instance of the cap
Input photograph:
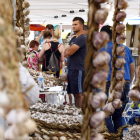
x,y
106,29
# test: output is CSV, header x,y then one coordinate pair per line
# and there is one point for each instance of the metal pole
x,y
14,16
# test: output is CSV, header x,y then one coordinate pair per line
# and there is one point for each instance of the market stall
x,y
27,117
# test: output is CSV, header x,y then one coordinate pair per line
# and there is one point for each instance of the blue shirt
x,y
77,60
128,58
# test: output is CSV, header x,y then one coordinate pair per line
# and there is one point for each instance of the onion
x,y
120,39
101,15
117,103
134,95
122,4
109,109
121,16
120,74
120,50
120,28
98,99
98,78
120,62
97,118
101,59
100,39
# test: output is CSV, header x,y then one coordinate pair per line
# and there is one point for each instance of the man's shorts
x,y
75,81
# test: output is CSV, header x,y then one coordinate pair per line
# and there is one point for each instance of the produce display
x,y
133,133
62,122
13,106
118,61
22,29
58,109
49,79
96,66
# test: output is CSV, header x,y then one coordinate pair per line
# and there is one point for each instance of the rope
x,y
89,90
114,81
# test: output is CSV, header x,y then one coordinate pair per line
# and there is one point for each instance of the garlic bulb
x,y
119,86
17,30
117,103
109,109
121,16
97,137
63,138
122,4
101,59
117,94
97,118
21,31
120,28
120,50
30,126
101,15
27,27
100,39
98,78
46,137
55,138
17,116
134,95
26,19
25,4
120,39
120,74
4,99
27,41
101,1
26,12
120,62
98,99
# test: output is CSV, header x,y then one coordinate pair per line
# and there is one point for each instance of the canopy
x,y
44,11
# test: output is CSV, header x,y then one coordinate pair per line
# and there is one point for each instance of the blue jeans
x,y
114,121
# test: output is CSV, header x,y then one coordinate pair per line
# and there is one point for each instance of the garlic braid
x,y
93,69
22,30
117,77
134,94
13,105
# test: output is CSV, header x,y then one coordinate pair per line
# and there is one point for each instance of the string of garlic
x,y
96,65
23,29
117,77
134,94
13,106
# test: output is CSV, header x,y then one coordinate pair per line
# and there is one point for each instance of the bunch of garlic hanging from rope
x,y
13,106
23,32
134,94
100,62
118,61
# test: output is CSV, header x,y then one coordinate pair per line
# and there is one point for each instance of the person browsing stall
x,y
76,52
33,55
114,121
52,47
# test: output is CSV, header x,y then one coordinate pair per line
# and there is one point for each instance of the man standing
x,y
76,52
129,75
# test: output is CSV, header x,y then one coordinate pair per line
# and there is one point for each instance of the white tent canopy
x,y
43,11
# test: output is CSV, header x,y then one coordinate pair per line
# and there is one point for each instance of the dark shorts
x,y
75,81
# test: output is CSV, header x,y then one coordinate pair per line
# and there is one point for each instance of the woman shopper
x,y
33,55
52,47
